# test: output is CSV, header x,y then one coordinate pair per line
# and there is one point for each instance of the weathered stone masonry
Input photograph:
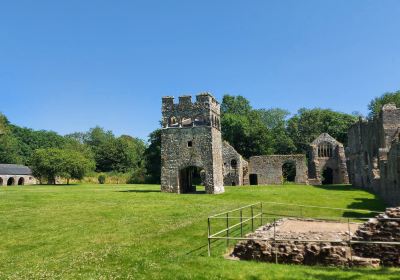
x,y
267,170
327,161
191,137
374,154
236,169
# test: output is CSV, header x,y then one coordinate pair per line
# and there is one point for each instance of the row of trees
x,y
251,131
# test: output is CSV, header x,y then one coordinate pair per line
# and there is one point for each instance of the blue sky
x,y
70,65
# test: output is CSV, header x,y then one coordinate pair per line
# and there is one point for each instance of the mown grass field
x,y
136,232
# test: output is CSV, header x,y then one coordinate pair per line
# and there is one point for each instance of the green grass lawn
x,y
136,232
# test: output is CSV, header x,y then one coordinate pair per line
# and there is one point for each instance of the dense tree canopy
x,y
152,157
376,105
308,124
50,163
9,150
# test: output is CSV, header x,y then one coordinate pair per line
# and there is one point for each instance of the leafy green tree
x,y
247,134
30,140
9,150
308,124
152,156
50,163
275,120
237,105
376,105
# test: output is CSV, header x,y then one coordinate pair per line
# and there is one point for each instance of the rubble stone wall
x,y
268,169
235,167
373,154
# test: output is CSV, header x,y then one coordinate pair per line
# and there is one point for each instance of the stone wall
x,y
326,153
14,180
191,138
268,169
373,154
235,167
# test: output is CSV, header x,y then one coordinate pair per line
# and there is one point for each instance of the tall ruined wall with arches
x,y
191,141
374,154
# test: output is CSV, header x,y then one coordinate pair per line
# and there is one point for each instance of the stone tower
x,y
191,140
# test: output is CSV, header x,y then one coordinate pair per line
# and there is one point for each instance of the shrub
x,y
102,179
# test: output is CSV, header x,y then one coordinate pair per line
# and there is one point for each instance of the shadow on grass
x,y
140,191
361,273
337,187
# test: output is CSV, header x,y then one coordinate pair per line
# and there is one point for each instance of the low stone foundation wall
x,y
328,242
318,251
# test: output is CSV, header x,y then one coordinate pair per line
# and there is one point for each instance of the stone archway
x,y
21,181
189,177
1,181
11,181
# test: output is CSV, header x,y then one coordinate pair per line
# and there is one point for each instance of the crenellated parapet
x,y
205,111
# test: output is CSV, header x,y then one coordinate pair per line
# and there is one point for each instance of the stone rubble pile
x,y
380,229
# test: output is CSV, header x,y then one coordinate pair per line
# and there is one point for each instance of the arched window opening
x,y
10,181
173,122
289,171
325,150
199,121
21,181
234,163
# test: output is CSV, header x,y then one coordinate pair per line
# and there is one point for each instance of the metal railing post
x,y
227,229
241,223
252,218
275,244
351,254
209,239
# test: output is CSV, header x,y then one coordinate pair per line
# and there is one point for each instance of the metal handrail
x,y
262,215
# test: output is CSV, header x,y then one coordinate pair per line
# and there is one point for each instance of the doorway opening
x,y
253,179
289,171
189,177
327,176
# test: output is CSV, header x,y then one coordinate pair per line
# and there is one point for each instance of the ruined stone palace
x,y
374,154
192,145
